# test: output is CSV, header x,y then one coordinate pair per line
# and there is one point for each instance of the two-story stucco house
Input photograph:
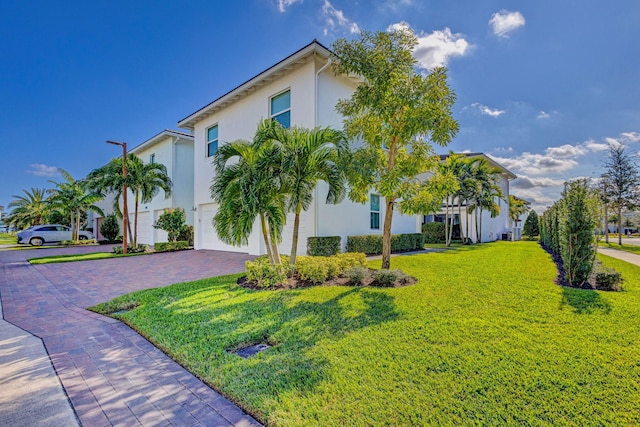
x,y
174,150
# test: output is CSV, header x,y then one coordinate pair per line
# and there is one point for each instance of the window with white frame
x,y
212,140
374,201
281,108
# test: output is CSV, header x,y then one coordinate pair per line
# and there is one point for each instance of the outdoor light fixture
x,y
125,213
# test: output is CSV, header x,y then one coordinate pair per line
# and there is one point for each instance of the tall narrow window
x,y
212,140
152,158
281,108
374,201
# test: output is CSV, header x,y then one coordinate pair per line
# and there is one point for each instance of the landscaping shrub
x,y
531,228
186,234
372,244
79,242
356,275
171,246
318,269
173,221
131,249
266,275
386,278
606,279
433,232
110,228
323,246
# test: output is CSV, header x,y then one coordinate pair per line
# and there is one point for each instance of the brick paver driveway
x,y
112,375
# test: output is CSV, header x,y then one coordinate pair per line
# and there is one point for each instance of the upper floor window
x,y
152,158
281,108
212,140
374,201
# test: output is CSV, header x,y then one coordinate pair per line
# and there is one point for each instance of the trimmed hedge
x,y
170,246
323,246
433,232
131,249
372,244
79,242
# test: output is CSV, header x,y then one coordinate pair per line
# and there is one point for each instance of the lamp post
x,y
125,213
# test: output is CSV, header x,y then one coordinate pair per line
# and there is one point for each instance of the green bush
x,y
110,227
531,228
372,244
433,232
356,275
173,222
186,234
386,278
266,275
318,269
131,249
607,279
171,246
79,242
323,246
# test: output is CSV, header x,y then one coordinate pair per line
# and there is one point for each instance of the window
x,y
374,201
152,158
212,140
281,108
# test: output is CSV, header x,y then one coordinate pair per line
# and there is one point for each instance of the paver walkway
x,y
624,256
111,374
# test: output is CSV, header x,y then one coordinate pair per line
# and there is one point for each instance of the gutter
x,y
315,124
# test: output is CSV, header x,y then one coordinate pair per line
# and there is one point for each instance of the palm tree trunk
x,y
275,251
476,224
462,235
480,224
294,239
451,226
265,235
386,235
446,221
135,220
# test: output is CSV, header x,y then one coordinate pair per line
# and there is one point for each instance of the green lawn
x,y
8,239
78,257
484,338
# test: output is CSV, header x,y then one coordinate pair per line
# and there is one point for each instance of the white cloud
x,y
437,48
526,182
284,4
629,137
39,169
503,23
335,18
613,142
536,164
394,4
487,111
543,115
504,149
595,146
567,151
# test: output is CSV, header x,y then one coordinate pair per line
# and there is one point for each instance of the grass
x,y
484,338
634,249
78,257
8,239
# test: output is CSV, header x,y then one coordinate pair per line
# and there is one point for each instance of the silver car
x,y
47,233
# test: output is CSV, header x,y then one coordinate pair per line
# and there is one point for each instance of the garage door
x,y
145,227
161,235
208,238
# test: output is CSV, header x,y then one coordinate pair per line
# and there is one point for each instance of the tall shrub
x,y
531,227
110,228
173,221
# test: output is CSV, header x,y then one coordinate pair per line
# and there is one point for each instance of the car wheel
x,y
36,241
82,237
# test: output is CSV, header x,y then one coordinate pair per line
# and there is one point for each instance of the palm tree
x,y
452,167
143,180
73,199
247,185
30,209
307,157
484,192
517,208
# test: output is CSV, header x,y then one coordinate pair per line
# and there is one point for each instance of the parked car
x,y
47,233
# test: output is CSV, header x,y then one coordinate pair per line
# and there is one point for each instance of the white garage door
x,y
207,234
145,227
161,235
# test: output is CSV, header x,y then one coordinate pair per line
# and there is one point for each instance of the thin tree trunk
x,y
480,224
275,251
466,226
620,225
453,215
446,221
294,239
462,235
265,235
386,235
606,224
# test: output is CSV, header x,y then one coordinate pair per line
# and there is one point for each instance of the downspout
x,y
315,124
173,170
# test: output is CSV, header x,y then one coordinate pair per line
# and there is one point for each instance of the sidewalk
x,y
622,255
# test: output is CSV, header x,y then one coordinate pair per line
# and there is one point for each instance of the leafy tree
x,y
398,113
307,157
173,221
110,228
517,208
623,181
451,172
247,186
73,199
483,192
144,180
32,208
531,228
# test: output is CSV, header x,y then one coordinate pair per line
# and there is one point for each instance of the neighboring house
x,y
498,228
174,150
301,90
518,225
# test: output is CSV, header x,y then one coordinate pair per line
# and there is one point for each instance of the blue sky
x,y
545,87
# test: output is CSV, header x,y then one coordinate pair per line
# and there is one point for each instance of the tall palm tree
x,y
517,208
247,186
32,208
143,180
452,167
73,199
484,192
307,157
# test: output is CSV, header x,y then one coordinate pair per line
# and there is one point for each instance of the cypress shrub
x,y
323,246
433,232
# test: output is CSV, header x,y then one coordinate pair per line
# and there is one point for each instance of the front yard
x,y
485,337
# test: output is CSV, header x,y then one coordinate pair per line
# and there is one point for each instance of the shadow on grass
x,y
584,301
